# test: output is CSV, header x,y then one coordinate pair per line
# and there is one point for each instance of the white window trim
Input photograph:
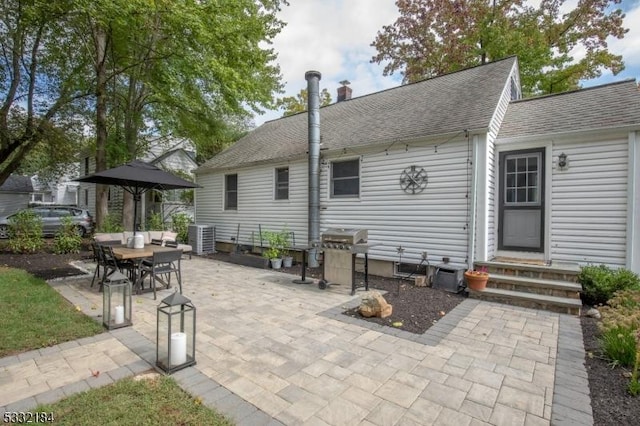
x,y
275,183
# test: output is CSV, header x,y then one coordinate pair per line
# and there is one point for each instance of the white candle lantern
x,y
176,334
116,301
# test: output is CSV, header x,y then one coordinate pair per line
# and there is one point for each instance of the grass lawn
x,y
34,315
154,401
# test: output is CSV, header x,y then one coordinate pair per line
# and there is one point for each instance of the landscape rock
x,y
593,313
374,305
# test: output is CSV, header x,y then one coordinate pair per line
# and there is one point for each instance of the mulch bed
x,y
417,308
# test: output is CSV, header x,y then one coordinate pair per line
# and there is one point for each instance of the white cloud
x,y
333,37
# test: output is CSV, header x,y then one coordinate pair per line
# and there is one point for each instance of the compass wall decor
x,y
413,179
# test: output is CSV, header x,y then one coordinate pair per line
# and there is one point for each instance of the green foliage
x,y
599,283
25,232
619,345
67,239
634,383
271,253
279,242
180,224
187,195
155,222
110,225
620,327
432,37
295,104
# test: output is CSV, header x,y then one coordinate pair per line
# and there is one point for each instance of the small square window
x,y
282,183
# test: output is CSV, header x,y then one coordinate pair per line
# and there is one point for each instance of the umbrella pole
x,y
136,199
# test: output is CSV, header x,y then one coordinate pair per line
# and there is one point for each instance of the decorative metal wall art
x,y
413,179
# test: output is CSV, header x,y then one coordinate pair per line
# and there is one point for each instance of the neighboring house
x,y
171,155
15,194
63,191
457,166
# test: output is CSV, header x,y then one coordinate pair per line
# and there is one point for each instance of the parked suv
x,y
52,219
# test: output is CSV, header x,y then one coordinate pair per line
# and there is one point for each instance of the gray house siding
x,y
589,202
12,202
434,220
257,206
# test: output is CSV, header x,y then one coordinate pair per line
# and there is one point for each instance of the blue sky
x,y
334,37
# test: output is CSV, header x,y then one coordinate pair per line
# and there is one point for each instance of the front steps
x,y
532,286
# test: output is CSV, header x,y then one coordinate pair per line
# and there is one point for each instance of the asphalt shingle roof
x,y
606,106
17,183
450,103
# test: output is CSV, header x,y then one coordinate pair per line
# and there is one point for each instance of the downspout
x,y
313,111
472,204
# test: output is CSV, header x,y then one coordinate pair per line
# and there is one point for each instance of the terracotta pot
x,y
476,280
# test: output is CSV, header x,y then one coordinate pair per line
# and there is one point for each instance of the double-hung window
x,y
345,179
231,192
282,183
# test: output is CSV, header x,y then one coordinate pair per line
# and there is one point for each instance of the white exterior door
x,y
521,189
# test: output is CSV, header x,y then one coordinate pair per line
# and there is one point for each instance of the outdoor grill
x,y
341,247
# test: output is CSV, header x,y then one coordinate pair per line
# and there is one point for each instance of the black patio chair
x,y
112,265
160,268
99,259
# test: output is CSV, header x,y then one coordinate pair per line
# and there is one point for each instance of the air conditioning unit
x,y
202,239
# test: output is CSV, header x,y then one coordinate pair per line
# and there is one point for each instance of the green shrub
x,y
25,232
180,225
599,283
67,239
110,225
155,222
619,345
634,383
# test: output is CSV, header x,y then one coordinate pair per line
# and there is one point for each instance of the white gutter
x,y
472,205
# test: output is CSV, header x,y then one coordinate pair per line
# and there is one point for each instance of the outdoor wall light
x,y
562,160
116,302
176,334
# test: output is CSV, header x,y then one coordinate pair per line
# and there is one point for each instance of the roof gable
x,y
599,107
17,183
450,103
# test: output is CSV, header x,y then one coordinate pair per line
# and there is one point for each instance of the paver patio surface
x,y
273,352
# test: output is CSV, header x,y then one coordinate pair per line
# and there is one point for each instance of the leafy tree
x,y
434,37
42,79
128,68
187,68
295,104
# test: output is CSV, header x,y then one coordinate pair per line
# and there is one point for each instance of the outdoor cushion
x,y
169,236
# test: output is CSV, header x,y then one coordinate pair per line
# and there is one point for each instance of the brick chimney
x,y
344,91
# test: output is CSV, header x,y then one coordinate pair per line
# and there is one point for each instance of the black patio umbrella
x,y
138,177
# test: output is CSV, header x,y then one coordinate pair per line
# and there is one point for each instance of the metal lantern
x,y
116,301
176,334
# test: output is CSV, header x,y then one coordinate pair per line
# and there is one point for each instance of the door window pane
x,y
522,179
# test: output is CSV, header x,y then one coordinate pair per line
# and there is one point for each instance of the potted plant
x,y
477,279
273,254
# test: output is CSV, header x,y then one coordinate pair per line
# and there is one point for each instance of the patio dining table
x,y
122,252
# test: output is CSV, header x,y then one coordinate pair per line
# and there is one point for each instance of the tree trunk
x,y
100,41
